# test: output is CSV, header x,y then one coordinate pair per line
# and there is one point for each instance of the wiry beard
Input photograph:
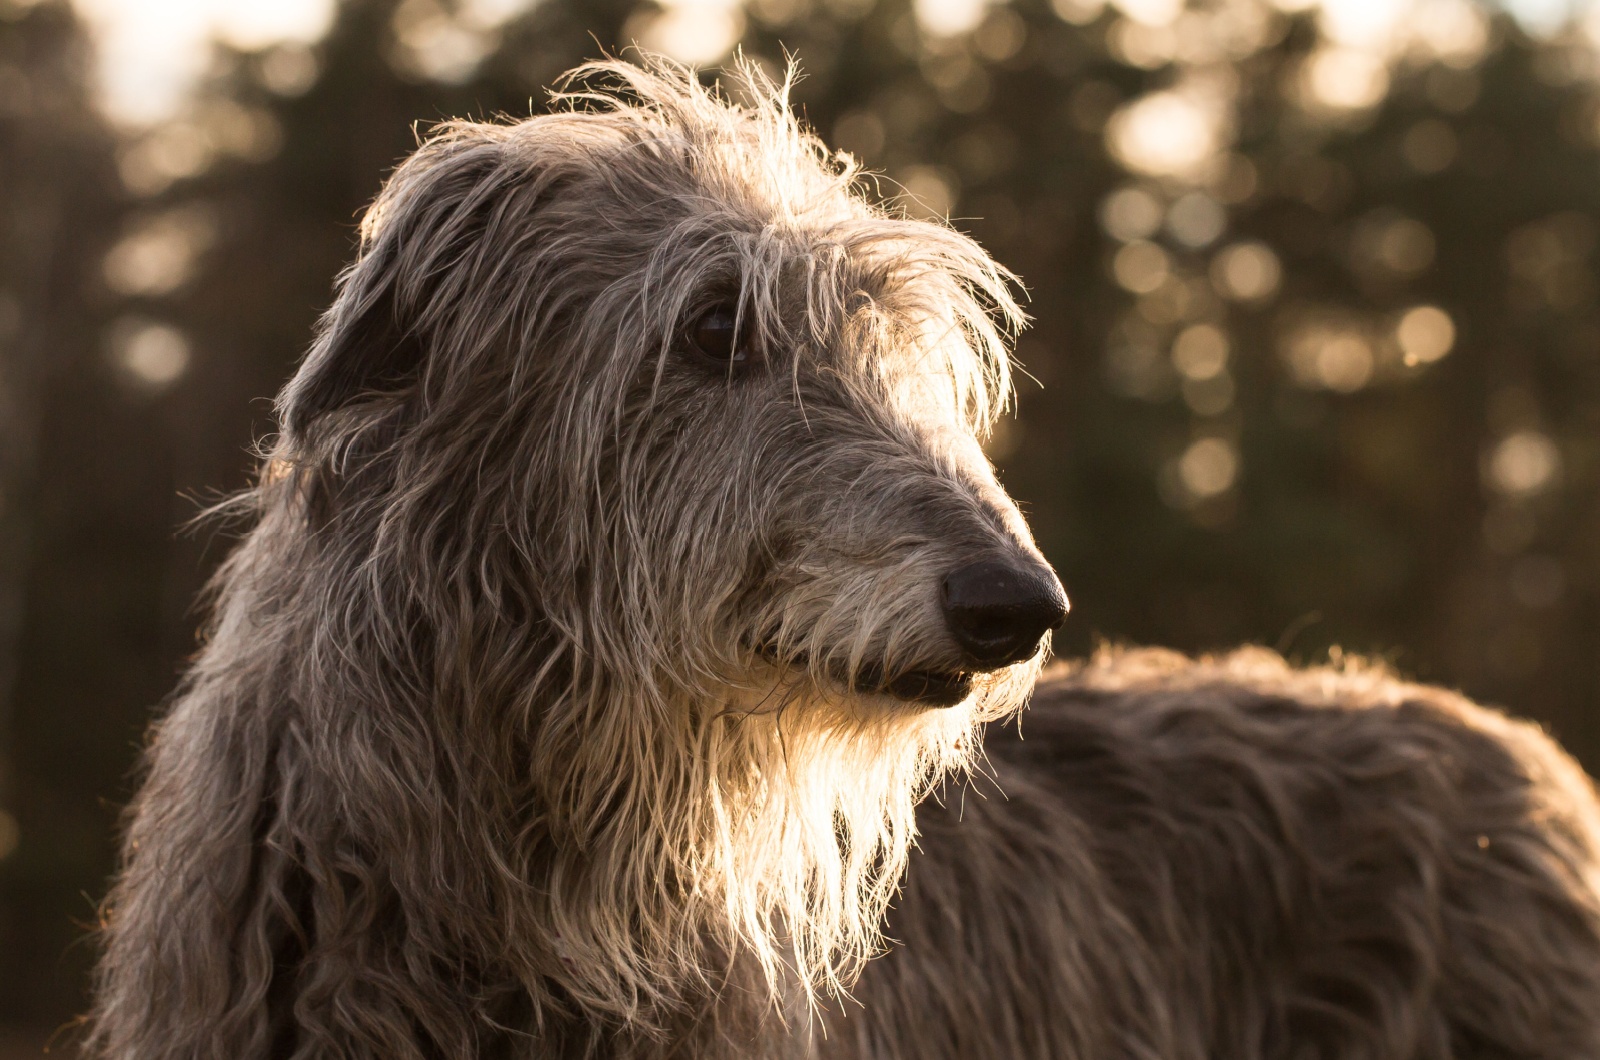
x,y
813,815
766,828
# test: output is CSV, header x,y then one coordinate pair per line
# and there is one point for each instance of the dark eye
x,y
715,334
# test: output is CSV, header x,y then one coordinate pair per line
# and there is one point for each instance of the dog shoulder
x,y
1349,722
1316,755
1344,841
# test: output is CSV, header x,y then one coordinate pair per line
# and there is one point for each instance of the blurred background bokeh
x,y
1316,361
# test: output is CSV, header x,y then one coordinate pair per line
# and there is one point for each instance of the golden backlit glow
x,y
150,52
1174,223
1361,23
1144,46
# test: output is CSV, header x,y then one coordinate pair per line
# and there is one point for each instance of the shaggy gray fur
x,y
555,705
1228,859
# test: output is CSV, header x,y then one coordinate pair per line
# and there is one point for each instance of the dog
x,y
626,573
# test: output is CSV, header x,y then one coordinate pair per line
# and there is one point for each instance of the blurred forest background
x,y
1316,358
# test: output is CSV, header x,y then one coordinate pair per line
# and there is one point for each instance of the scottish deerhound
x,y
626,572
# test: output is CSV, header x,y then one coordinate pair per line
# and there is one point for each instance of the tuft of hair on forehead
x,y
863,267
667,104
687,190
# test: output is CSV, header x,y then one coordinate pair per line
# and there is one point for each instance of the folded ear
x,y
361,347
374,339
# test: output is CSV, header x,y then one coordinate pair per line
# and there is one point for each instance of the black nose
x,y
998,612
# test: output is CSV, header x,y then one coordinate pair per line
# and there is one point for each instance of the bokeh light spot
x,y
1209,466
1387,245
1246,272
1197,220
1200,352
290,69
1144,46
1001,35
1078,12
1330,356
1453,32
158,255
694,31
175,151
1141,267
151,52
1523,464
1344,363
1344,79
253,26
1150,12
929,192
150,355
1361,23
1425,334
1130,213
949,18
1165,134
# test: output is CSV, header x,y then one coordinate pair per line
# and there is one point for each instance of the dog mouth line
x,y
933,688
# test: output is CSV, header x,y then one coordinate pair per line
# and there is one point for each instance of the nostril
x,y
999,612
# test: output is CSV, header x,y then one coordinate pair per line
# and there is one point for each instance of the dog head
x,y
729,412
647,390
